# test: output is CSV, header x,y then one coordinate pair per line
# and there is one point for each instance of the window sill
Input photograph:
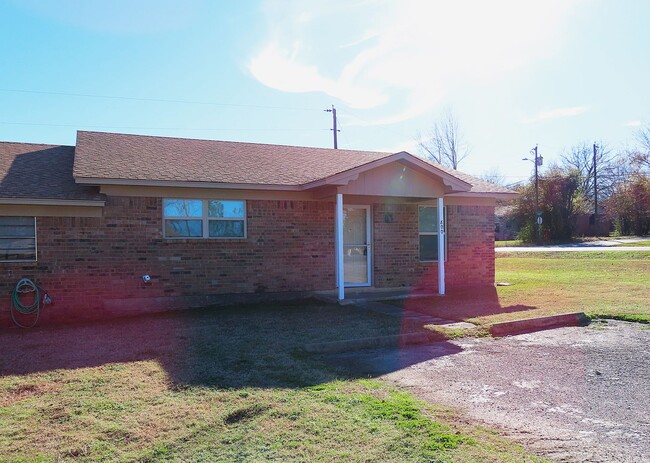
x,y
200,238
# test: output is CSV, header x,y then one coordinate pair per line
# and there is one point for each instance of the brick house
x,y
214,220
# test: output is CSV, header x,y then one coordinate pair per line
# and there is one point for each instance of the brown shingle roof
x,y
136,157
34,171
112,156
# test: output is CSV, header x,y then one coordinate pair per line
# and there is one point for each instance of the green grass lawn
x,y
227,385
611,284
614,284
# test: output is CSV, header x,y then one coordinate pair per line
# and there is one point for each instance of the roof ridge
x,y
5,142
233,142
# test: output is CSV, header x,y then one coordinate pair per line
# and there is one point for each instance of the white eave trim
x,y
52,202
497,195
171,183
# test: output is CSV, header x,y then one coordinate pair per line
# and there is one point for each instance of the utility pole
x,y
334,129
537,224
595,191
538,161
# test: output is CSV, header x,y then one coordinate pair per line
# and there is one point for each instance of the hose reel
x,y
26,302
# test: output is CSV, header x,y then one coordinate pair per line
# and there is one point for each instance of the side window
x,y
197,218
17,239
226,219
428,233
183,218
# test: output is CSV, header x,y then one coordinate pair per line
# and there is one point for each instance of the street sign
x,y
539,213
539,220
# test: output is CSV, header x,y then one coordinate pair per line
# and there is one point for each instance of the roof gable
x,y
343,178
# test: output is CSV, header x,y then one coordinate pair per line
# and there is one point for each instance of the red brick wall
x,y
84,262
92,267
470,247
470,241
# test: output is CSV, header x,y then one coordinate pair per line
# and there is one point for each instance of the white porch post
x,y
340,277
441,247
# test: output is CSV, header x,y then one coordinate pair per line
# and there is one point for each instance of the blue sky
x,y
515,73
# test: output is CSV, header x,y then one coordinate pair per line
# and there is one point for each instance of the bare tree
x,y
445,142
609,170
493,175
640,156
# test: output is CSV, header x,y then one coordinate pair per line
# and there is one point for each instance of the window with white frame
x,y
428,232
204,218
17,239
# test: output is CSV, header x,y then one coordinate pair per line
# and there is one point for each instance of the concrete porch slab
x,y
369,299
355,295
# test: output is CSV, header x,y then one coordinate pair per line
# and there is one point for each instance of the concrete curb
x,y
538,324
367,343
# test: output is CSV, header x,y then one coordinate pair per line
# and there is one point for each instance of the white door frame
x,y
368,244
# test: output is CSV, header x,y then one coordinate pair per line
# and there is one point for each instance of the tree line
x,y
611,189
568,189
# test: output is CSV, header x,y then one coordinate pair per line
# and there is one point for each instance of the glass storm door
x,y
356,245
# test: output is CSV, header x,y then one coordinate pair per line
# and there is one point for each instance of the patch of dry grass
x,y
228,385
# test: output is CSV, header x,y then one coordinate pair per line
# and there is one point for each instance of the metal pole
x,y
336,142
441,247
340,273
595,192
538,229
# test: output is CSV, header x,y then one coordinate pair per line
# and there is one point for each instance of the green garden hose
x,y
25,286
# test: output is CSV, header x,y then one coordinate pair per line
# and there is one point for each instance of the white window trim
x,y
205,221
444,210
35,259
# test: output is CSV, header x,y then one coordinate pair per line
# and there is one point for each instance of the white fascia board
x,y
171,183
496,195
52,202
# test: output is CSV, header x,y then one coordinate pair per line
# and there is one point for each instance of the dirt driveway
x,y
578,394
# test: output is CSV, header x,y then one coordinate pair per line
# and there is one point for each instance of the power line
x,y
158,128
153,100
374,123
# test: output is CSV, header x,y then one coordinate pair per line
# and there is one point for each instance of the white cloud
x,y
401,58
555,114
633,124
279,69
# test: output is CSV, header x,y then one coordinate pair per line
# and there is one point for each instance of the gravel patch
x,y
575,394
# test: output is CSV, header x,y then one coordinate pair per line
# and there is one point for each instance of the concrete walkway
x,y
601,245
570,248
398,312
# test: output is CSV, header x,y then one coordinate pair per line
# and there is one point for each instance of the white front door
x,y
357,260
